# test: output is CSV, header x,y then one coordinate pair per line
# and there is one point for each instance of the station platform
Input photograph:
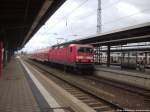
x,y
132,77
18,93
117,69
15,93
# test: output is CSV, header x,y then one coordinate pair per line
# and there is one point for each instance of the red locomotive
x,y
76,56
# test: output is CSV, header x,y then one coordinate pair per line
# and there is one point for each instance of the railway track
x,y
96,102
133,89
136,100
126,87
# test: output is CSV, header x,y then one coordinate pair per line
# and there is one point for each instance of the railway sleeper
x,y
92,103
95,105
102,108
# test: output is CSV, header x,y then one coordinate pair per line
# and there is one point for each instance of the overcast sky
x,y
78,19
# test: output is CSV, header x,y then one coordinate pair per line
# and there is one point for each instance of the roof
x,y
21,19
132,34
146,49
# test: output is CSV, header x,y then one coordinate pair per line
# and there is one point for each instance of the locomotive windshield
x,y
85,50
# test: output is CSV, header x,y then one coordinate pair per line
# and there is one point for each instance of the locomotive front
x,y
84,58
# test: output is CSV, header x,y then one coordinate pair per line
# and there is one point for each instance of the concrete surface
x,y
15,93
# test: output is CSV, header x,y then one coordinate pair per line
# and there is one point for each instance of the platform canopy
x,y
20,19
132,34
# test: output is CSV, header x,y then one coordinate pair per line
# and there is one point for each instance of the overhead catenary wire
x,y
66,16
125,17
85,16
89,14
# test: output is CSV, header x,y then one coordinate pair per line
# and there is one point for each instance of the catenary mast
x,y
99,25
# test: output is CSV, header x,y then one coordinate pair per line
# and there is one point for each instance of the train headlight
x,y
89,57
79,57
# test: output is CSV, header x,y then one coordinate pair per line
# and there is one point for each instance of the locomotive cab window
x,y
85,50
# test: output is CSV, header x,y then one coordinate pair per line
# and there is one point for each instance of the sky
x,y
77,19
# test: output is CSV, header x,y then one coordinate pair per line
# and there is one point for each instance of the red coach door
x,y
70,55
1,58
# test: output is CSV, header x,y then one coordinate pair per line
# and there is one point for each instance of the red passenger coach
x,y
76,56
41,54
